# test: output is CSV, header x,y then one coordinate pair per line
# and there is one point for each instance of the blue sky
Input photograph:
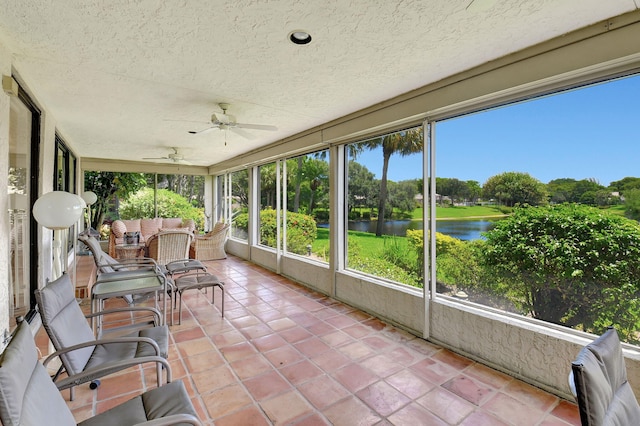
x,y
581,134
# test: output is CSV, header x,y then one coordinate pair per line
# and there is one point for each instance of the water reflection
x,y
461,229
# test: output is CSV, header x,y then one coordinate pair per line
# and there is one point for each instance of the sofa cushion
x,y
171,223
149,227
118,228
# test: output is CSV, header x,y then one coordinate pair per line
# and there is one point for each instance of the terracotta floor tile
x,y
301,372
351,411
507,408
356,350
323,391
383,398
354,377
288,355
251,366
444,404
530,395
493,378
320,328
433,371
226,400
188,334
286,407
269,342
314,419
452,360
568,412
255,331
238,351
473,391
414,414
410,384
194,347
203,361
311,347
266,385
295,334
284,356
482,418
382,365
213,379
251,415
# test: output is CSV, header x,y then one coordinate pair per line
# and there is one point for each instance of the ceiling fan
x,y
174,157
226,121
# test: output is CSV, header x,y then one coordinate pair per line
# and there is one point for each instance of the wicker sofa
x,y
146,227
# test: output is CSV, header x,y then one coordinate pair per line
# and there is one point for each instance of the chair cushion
x,y
166,400
65,323
28,396
603,392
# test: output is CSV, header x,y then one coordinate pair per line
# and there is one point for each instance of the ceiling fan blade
x,y
242,133
197,132
155,158
256,126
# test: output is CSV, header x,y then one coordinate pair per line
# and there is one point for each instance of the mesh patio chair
x,y
81,352
28,397
598,380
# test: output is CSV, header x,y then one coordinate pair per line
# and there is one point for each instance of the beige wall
x,y
5,69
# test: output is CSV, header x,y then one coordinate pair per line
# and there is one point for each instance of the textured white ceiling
x,y
127,79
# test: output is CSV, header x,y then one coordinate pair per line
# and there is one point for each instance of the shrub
x,y
170,204
569,264
301,229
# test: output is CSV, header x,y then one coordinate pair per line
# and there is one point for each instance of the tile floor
x,y
286,355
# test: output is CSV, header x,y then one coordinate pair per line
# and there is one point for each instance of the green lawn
x,y
460,212
369,244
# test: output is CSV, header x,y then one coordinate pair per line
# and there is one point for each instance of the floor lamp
x,y
90,198
58,210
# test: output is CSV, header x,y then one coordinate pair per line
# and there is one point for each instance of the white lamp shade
x,y
58,209
89,197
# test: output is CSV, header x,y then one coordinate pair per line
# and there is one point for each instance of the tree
x,y
511,188
569,264
404,143
625,184
402,195
363,187
453,188
632,204
106,185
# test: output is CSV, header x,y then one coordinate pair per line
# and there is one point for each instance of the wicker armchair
x,y
211,245
168,246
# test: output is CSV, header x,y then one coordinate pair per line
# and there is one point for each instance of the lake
x,y
461,229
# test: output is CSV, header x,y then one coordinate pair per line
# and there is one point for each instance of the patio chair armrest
x,y
173,419
109,367
151,310
102,342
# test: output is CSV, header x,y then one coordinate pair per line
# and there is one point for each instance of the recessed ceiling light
x,y
300,37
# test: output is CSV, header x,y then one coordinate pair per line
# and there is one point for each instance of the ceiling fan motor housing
x,y
219,118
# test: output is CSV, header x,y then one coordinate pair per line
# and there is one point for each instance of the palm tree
x,y
405,142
